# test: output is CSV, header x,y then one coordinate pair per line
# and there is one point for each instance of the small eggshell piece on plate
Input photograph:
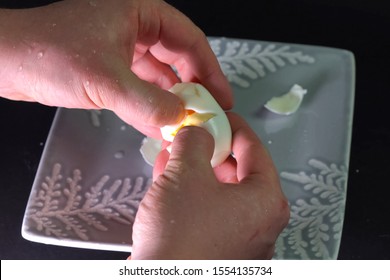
x,y
288,103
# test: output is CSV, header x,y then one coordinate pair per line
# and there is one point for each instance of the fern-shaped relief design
x,y
59,209
315,223
95,117
242,62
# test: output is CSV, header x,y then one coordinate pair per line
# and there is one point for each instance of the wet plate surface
x,y
92,176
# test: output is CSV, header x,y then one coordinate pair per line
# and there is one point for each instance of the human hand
x,y
115,55
191,211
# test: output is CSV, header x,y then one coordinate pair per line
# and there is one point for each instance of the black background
x,y
359,26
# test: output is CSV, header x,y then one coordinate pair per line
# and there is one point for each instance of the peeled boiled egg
x,y
201,110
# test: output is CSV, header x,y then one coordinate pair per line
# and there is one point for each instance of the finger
x,y
253,160
150,131
199,66
160,164
184,45
226,172
134,100
148,68
193,146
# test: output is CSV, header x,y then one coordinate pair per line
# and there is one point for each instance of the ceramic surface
x,y
92,176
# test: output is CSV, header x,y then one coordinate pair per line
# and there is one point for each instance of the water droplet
x,y
270,142
150,99
123,127
40,55
119,154
92,3
54,24
94,51
20,69
86,83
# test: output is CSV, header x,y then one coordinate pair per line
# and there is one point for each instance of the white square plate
x,y
92,176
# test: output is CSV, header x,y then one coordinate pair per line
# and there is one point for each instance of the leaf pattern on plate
x,y
317,222
242,62
95,117
57,208
316,196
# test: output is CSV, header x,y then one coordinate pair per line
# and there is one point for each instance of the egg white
x,y
196,98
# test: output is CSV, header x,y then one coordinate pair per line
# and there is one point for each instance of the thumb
x,y
143,104
192,149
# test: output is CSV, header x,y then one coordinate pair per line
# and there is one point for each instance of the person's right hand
x,y
191,211
115,55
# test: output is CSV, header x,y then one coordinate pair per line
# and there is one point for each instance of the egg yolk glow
x,y
202,110
193,119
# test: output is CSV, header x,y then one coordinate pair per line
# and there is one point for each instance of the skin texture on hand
x,y
117,55
235,211
107,55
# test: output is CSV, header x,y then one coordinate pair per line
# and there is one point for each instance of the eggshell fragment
x,y
288,103
150,148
